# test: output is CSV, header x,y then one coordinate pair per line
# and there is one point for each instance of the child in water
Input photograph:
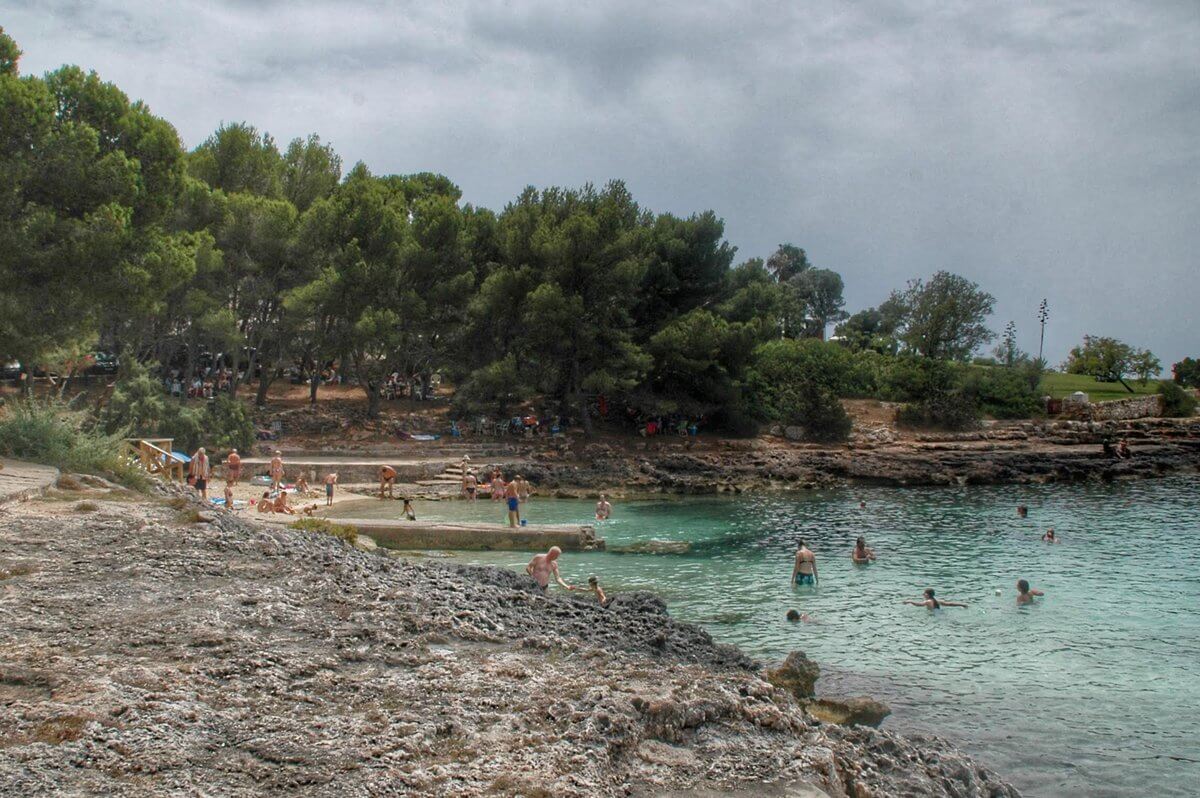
x,y
1049,536
931,603
1025,593
409,512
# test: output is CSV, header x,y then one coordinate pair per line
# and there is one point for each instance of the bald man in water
x,y
542,566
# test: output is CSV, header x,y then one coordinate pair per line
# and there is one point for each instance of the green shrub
x,y
1001,392
51,432
1177,402
938,395
140,407
344,532
797,383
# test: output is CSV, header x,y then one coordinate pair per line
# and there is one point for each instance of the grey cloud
x,y
1043,150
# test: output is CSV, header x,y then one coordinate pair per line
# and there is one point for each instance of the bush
x,y
140,407
1177,402
54,434
344,532
938,396
1001,392
797,383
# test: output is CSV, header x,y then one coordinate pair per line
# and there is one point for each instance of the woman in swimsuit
x,y
931,603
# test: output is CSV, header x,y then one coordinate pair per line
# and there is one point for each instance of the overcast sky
x,y
1043,152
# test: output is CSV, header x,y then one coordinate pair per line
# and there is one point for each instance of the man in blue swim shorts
x,y
514,503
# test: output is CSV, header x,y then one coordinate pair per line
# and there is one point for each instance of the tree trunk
x,y
314,378
374,398
264,385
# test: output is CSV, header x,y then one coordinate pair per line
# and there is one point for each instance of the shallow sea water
x,y
1094,690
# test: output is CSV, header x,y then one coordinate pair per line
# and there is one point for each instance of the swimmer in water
x,y
804,571
797,617
931,603
861,554
1025,593
1022,511
1049,536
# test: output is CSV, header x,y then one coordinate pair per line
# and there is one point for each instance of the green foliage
x,y
139,407
1187,372
237,158
496,386
1111,360
10,54
1177,402
797,383
344,532
943,318
1001,392
54,434
936,392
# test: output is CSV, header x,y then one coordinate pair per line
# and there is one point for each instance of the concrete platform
x,y
20,480
476,537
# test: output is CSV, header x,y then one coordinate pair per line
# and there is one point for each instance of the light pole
x,y
1043,314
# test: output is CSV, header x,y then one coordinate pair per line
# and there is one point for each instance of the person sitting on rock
x,y
543,566
1025,593
861,554
931,603
264,504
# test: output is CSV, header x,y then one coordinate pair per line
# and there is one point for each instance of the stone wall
x,y
1122,409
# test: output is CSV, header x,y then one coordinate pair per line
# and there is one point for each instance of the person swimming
x,y
1049,537
797,617
1025,593
861,554
1022,511
931,603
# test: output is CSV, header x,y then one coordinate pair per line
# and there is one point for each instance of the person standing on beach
x,y
201,470
514,504
470,485
931,603
387,479
543,566
603,508
233,467
1025,593
804,572
276,470
330,481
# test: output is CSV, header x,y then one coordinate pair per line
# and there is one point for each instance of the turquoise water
x,y
1094,690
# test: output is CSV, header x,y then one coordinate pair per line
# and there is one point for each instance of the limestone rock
x,y
857,711
798,675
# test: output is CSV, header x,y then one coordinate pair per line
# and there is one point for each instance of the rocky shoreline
x,y
152,650
1004,453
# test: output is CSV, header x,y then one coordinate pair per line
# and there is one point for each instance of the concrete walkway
x,y
20,480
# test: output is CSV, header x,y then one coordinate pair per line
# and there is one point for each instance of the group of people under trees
x,y
804,572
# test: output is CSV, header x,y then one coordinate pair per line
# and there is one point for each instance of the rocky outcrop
x,y
857,711
797,675
149,655
1013,452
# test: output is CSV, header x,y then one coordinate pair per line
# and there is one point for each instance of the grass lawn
x,y
1058,385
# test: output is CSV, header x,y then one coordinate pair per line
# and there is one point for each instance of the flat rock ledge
x,y
148,654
